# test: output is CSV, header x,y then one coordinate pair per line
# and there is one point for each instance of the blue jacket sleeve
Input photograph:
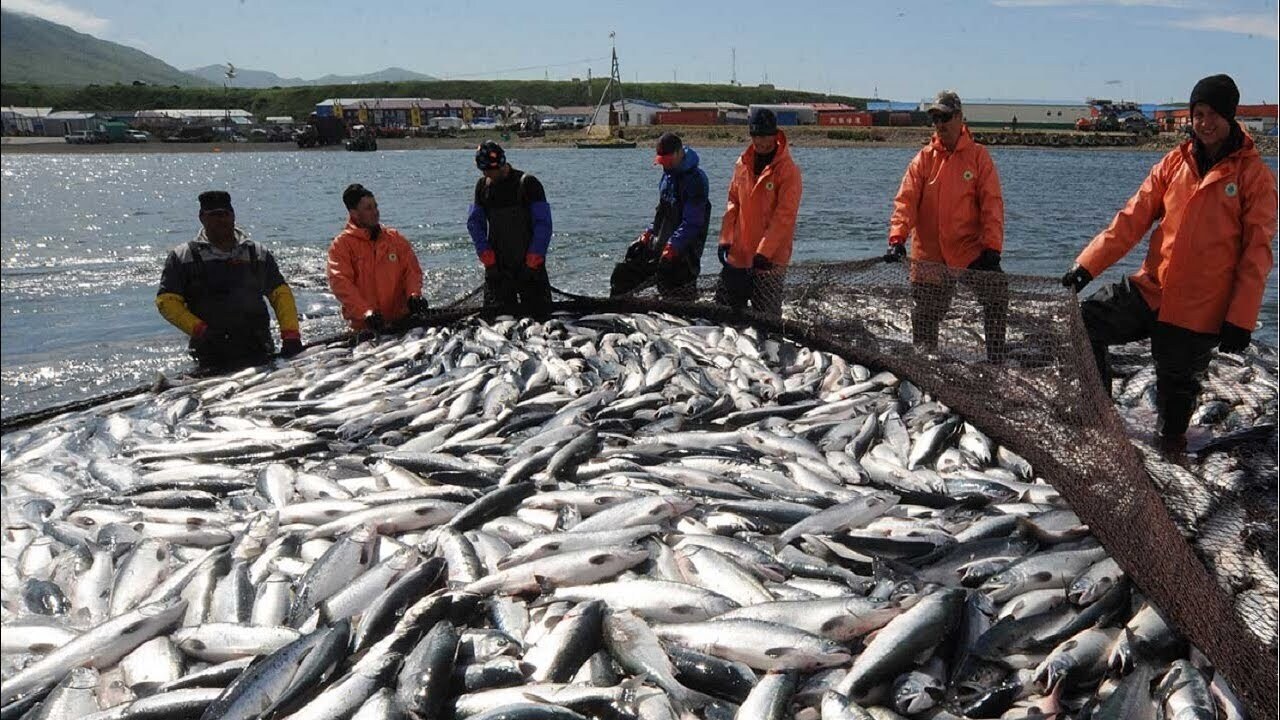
x,y
478,226
541,213
694,216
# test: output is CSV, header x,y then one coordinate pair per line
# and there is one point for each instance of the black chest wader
x,y
228,297
509,282
678,280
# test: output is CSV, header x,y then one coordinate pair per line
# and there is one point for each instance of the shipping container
x,y
788,117
855,118
687,117
880,118
900,119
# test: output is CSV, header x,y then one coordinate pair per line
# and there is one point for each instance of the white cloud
x,y
1262,25
1093,3
59,12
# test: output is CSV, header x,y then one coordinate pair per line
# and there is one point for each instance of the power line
x,y
543,66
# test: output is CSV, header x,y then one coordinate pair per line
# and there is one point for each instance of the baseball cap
x,y
947,102
215,201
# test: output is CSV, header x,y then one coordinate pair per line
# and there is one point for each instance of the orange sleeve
x,y
990,203
729,223
1130,224
907,201
1256,253
342,280
412,270
781,229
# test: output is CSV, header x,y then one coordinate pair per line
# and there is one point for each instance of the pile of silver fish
x,y
602,516
1225,499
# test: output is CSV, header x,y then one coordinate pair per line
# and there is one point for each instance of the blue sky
x,y
1148,50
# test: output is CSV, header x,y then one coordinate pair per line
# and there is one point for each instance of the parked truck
x,y
320,131
1118,117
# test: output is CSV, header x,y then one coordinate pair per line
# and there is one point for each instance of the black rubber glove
x,y
418,305
988,261
724,255
760,263
896,252
373,322
1232,338
290,347
1076,279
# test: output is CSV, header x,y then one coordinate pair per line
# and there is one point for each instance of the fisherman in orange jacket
x,y
759,222
950,202
1213,201
372,269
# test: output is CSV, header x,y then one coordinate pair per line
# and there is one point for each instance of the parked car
x,y
87,137
137,136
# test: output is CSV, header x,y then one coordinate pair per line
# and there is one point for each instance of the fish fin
x,y
545,585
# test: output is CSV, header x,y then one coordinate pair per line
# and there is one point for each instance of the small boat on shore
x,y
614,144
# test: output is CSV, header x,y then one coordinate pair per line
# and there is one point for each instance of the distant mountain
x,y
265,79
245,78
37,51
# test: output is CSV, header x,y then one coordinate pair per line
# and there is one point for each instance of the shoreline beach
x,y
697,136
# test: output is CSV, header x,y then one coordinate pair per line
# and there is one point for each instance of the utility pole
x,y
226,97
733,76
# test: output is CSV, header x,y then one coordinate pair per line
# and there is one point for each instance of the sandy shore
x,y
698,136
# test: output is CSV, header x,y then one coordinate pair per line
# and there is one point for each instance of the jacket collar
x,y
689,162
241,237
1247,148
357,231
749,155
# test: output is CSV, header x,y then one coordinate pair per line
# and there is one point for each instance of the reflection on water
x,y
84,237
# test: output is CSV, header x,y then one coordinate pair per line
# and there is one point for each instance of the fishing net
x,y
1010,354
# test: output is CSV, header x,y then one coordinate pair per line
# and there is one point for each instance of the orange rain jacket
x,y
1211,251
761,214
952,201
373,275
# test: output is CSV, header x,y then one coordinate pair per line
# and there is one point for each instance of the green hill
x,y
38,51
300,101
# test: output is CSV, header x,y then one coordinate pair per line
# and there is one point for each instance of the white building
x,y
24,120
1030,114
639,112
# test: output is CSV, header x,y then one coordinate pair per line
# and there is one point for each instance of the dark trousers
x,y
931,299
677,280
1117,314
224,357
518,290
764,290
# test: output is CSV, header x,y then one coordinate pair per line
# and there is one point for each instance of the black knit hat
x,y
762,123
1218,92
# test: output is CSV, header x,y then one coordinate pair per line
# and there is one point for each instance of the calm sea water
x,y
85,236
